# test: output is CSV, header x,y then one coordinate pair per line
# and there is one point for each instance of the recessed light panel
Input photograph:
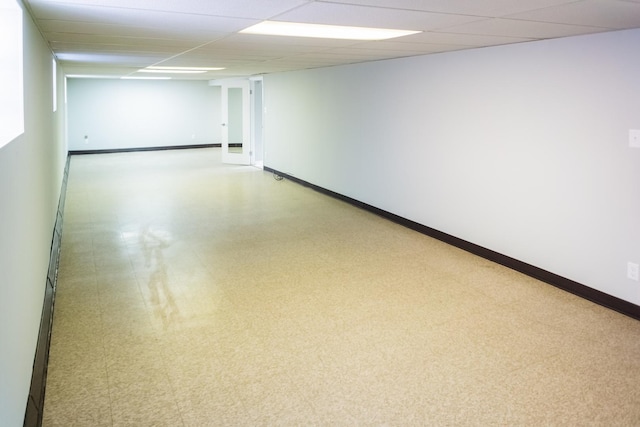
x,y
149,70
294,29
144,78
157,67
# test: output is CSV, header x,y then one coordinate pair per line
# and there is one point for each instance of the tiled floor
x,y
192,293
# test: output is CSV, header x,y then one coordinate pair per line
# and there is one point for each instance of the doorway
x,y
236,122
257,122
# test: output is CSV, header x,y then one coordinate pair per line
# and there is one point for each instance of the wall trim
x,y
614,303
35,403
130,150
169,147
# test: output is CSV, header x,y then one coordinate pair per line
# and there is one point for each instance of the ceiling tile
x,y
390,45
67,47
205,61
484,8
85,28
363,53
135,60
141,42
140,18
229,54
341,14
253,9
525,29
610,14
311,42
461,39
118,35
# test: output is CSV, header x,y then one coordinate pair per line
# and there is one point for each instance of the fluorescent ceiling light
x,y
89,76
145,78
147,70
294,29
185,68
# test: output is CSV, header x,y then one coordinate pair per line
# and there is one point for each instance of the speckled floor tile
x,y
193,293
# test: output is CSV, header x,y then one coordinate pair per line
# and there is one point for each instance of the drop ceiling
x,y
117,37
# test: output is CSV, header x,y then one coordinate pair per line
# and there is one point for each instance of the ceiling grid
x,y
114,38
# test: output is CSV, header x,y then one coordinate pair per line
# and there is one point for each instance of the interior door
x,y
257,122
236,122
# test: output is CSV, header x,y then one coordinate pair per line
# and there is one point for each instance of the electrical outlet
x,y
634,138
633,271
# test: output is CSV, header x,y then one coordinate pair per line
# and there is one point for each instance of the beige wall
x,y
121,114
31,170
522,149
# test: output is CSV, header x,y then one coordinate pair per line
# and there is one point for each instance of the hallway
x,y
192,293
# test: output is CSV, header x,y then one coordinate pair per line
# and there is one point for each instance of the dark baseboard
x,y
131,150
560,282
35,403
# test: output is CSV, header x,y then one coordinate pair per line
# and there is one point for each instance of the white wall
x,y
31,170
522,149
117,114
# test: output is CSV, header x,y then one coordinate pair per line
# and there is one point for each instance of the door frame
x,y
258,111
243,157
